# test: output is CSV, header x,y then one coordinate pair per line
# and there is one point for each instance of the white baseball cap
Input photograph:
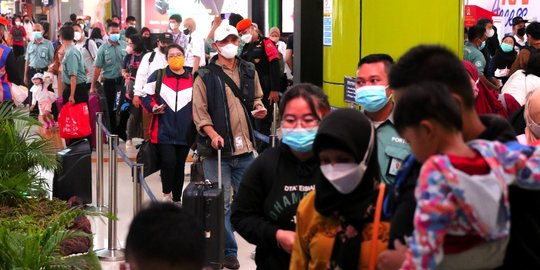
x,y
223,31
38,76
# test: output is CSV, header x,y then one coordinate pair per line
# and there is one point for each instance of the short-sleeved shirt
x,y
180,39
290,42
39,55
110,58
475,56
73,64
88,49
18,43
195,47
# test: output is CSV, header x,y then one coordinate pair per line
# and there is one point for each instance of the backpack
x,y
152,55
17,34
85,46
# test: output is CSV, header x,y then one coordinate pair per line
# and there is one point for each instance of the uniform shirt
x,y
269,72
238,122
73,64
110,58
475,56
39,55
89,55
392,150
195,47
146,68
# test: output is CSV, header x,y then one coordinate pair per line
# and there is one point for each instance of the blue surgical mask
x,y
299,139
372,97
483,45
115,37
37,35
507,48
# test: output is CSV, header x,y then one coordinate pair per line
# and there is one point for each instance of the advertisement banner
x,y
156,13
508,9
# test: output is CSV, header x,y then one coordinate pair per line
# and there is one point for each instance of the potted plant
x,y
35,232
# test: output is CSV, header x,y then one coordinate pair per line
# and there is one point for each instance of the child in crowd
x,y
44,98
462,217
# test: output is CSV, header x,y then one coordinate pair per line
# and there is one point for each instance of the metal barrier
x,y
113,252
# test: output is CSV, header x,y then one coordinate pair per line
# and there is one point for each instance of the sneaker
x,y
167,197
231,262
129,143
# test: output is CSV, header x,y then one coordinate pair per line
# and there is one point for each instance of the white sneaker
x,y
129,143
167,197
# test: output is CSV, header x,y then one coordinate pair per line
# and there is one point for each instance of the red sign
x,y
473,13
156,15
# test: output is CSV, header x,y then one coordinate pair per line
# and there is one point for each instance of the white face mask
x,y
228,51
490,32
173,26
77,36
345,177
247,38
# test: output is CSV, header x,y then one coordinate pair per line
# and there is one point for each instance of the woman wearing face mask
x,y
172,119
504,58
145,34
135,52
338,224
18,36
264,207
532,118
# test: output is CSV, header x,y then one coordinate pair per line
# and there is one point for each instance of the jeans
x,y
232,170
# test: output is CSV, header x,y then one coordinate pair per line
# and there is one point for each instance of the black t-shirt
x,y
404,201
290,42
267,199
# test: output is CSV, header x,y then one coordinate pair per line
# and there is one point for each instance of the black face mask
x,y
521,32
186,31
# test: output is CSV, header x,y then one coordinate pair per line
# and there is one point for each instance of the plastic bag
x,y
74,121
19,93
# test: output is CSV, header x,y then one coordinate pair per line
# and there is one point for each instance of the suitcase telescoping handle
x,y
220,180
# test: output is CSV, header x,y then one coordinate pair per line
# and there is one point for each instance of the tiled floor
x,y
125,207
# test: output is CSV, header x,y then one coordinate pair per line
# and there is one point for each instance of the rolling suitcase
x,y
205,201
73,177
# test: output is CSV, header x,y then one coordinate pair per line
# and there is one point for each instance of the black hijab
x,y
347,130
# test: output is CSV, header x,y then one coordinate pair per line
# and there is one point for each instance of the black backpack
x,y
17,34
86,47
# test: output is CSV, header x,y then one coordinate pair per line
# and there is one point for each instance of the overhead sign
x,y
528,9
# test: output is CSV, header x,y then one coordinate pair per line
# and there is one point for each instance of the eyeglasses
x,y
306,121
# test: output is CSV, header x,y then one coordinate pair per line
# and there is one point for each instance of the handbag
x,y
74,121
148,156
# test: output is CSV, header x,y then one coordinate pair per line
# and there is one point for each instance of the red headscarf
x,y
487,101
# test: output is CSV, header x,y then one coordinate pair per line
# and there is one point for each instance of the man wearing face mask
x,y
262,52
472,53
376,99
225,94
88,49
195,54
174,28
150,62
518,29
533,37
109,61
39,55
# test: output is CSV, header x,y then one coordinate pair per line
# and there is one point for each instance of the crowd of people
x,y
438,170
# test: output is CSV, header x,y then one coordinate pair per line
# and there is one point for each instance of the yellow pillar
x,y
364,27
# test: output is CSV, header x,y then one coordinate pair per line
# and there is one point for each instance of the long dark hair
x,y
138,43
96,33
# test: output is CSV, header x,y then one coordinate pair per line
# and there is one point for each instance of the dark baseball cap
x,y
166,38
518,20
